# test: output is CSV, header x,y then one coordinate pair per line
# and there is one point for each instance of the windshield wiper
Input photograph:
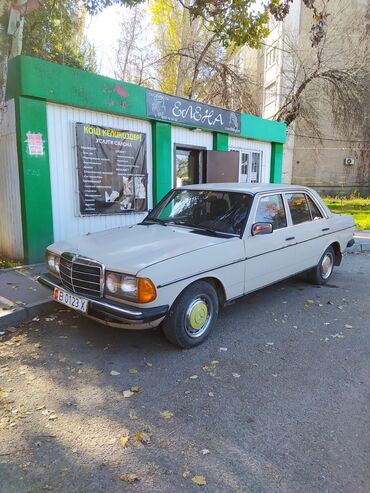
x,y
153,221
203,228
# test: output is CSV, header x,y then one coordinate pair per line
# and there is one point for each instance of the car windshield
x,y
212,211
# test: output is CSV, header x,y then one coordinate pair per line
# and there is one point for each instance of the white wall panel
x,y
236,143
63,170
11,239
196,138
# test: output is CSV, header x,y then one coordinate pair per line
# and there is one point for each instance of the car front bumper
x,y
112,312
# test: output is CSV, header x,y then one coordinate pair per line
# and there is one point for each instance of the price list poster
x,y
112,174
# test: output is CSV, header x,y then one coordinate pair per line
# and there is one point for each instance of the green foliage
x,y
358,207
55,32
8,264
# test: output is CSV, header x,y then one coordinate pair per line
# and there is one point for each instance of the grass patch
x,y
8,264
356,206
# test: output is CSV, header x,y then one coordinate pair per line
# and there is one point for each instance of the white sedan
x,y
199,248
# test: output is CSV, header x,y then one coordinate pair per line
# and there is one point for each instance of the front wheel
x,y
324,269
192,316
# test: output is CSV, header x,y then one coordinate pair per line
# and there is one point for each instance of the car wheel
x,y
324,269
192,316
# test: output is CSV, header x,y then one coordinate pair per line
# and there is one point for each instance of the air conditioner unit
x,y
349,161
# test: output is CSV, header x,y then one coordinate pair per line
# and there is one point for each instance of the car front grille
x,y
81,275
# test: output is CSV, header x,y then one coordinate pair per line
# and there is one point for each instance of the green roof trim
x,y
257,128
39,79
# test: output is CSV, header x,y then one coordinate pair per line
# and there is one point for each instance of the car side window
x,y
315,211
298,207
271,209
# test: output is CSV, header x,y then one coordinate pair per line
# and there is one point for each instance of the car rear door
x,y
310,227
269,257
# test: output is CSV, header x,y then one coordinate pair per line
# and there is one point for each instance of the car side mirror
x,y
262,229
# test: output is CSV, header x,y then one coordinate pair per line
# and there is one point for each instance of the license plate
x,y
68,299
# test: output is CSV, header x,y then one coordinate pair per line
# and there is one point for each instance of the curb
x,y
28,312
359,248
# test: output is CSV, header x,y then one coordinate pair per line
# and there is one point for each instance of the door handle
x,y
325,229
290,238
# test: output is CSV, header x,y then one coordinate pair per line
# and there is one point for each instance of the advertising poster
x,y
112,172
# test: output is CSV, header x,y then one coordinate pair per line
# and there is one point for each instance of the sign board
x,y
180,110
112,172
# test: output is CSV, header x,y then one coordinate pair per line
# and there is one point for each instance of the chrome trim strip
x,y
247,258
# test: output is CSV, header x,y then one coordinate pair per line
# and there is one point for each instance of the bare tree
x,y
135,58
334,74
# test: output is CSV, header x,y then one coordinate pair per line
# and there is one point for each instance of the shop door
x,y
250,166
189,166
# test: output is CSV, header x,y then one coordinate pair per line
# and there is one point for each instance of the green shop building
x,y
80,153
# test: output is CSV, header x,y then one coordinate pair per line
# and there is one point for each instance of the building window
x,y
271,56
270,94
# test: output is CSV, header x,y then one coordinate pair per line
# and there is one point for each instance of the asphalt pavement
x,y
276,400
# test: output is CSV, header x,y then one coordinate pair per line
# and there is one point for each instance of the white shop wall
x,y
236,143
184,136
63,170
11,238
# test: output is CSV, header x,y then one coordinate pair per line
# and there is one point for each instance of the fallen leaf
x,y
127,393
236,375
114,373
52,417
124,438
132,371
186,472
199,480
129,477
11,329
142,437
38,345
166,414
135,388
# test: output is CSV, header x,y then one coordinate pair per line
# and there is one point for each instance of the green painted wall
x,y
34,178
162,158
32,77
276,163
29,76
220,142
257,128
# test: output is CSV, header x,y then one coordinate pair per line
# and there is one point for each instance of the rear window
x,y
298,207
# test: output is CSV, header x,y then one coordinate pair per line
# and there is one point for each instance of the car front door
x,y
269,257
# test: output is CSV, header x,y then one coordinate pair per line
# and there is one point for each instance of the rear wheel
x,y
324,269
192,316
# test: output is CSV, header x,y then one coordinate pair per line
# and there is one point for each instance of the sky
x,y
103,32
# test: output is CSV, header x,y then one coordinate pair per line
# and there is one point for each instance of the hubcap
x,y
326,266
198,316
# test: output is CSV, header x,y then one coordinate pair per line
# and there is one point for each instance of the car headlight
x,y
52,262
138,289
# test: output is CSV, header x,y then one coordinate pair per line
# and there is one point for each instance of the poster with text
x,y
112,172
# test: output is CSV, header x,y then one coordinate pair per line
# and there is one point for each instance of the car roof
x,y
252,188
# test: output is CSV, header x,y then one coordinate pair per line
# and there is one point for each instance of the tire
x,y
324,269
192,316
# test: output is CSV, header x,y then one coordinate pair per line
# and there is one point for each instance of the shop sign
x,y
179,110
112,172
